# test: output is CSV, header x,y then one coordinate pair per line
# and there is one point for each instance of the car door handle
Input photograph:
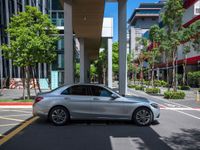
x,y
66,98
96,99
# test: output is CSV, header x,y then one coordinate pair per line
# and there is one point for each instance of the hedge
x,y
184,87
174,95
139,87
152,90
194,78
132,86
160,83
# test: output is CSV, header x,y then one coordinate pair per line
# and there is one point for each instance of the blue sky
x,y
111,10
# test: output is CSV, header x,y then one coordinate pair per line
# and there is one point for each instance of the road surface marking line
x,y
17,130
17,115
6,125
6,118
167,101
170,108
17,111
188,114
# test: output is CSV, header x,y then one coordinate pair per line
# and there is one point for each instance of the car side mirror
x,y
114,96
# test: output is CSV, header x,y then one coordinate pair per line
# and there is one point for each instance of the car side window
x,y
75,90
99,91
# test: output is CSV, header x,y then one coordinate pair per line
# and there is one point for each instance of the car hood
x,y
137,99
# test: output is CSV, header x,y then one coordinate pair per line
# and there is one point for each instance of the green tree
x,y
185,38
154,37
143,55
32,41
115,58
172,19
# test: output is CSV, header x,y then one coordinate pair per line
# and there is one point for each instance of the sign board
x,y
54,79
44,83
197,8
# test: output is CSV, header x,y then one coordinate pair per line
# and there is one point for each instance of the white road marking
x,y
13,119
23,111
188,114
27,114
167,102
178,108
6,125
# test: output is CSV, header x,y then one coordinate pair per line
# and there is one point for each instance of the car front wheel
x,y
143,116
59,115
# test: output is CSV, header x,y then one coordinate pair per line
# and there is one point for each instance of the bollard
x,y
197,97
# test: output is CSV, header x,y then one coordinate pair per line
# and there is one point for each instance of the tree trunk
x,y
174,71
152,76
141,76
184,70
167,65
34,85
37,81
23,82
28,82
104,76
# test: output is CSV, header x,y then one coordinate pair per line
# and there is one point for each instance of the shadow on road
x,y
188,139
81,135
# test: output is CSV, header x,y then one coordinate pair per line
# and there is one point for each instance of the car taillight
x,y
38,99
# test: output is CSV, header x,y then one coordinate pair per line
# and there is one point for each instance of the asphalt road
x,y
12,117
178,128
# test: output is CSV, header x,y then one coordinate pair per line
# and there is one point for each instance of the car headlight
x,y
155,105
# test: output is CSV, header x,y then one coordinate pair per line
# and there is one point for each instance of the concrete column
x,y
18,68
7,23
30,3
68,38
87,69
122,46
82,61
1,65
44,12
110,62
39,64
23,5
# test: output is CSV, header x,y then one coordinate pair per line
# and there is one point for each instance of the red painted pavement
x,y
16,103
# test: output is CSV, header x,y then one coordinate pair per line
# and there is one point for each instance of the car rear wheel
x,y
143,116
59,115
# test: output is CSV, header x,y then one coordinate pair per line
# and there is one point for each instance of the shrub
x,y
132,86
139,87
194,78
146,82
152,90
174,95
184,87
160,83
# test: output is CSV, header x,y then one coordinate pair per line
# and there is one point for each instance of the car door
x,y
104,106
78,101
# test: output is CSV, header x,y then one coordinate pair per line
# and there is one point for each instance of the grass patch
x,y
16,100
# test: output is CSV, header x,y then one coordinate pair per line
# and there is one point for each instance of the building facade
x,y
8,8
190,16
143,17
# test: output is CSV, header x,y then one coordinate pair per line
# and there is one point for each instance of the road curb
x,y
16,103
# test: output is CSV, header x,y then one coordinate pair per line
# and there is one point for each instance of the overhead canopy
x,y
87,19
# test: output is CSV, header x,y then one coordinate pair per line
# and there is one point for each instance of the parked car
x,y
87,101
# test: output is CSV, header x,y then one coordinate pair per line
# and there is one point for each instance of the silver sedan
x,y
86,101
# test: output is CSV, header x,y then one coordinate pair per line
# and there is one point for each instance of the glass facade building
x,y
8,8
